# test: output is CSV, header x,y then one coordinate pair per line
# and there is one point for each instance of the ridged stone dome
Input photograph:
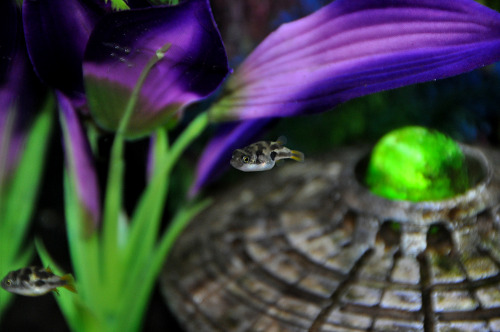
x,y
306,247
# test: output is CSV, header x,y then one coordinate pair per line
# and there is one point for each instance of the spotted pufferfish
x,y
36,281
262,155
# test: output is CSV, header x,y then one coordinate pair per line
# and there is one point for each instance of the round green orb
x,y
417,164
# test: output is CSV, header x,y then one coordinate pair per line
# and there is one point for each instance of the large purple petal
x,y
21,93
122,43
56,33
353,48
79,160
217,154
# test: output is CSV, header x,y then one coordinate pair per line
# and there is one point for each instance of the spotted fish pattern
x,y
262,155
35,281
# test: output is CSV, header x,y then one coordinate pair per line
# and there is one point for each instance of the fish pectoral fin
x,y
297,155
281,140
70,283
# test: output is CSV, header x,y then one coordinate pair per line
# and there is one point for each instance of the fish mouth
x,y
4,285
234,162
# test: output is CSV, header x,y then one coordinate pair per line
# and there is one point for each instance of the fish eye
x,y
8,282
245,159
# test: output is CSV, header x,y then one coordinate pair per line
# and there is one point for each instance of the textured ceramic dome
x,y
306,247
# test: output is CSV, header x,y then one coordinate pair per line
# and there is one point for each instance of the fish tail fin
x,y
70,283
297,155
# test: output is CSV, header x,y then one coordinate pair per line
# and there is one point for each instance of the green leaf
x,y
164,2
147,215
84,248
78,316
113,258
64,301
144,257
19,200
144,277
18,197
119,5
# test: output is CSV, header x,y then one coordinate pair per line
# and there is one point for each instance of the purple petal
x,y
56,34
217,154
79,160
353,48
21,93
122,43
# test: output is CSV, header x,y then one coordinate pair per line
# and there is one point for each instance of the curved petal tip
x,y
353,48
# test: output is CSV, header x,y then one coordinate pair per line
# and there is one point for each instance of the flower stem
x,y
114,189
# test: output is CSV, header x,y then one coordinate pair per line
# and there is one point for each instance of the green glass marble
x,y
417,164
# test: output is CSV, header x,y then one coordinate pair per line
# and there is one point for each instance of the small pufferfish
x,y
36,281
262,156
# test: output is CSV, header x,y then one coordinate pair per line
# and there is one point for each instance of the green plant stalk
x,y
21,187
144,257
144,227
117,268
119,4
84,249
116,271
165,2
79,310
77,315
147,215
112,260
152,267
82,243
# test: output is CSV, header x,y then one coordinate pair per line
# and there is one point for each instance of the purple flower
x,y
75,41
353,48
93,57
122,43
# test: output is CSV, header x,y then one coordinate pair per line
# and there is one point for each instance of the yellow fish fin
x,y
70,282
297,155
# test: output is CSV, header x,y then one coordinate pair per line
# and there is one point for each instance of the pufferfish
x,y
36,281
262,156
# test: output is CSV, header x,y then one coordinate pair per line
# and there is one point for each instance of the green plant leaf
x,y
119,4
147,215
23,187
18,197
165,2
65,302
144,277
78,316
84,248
